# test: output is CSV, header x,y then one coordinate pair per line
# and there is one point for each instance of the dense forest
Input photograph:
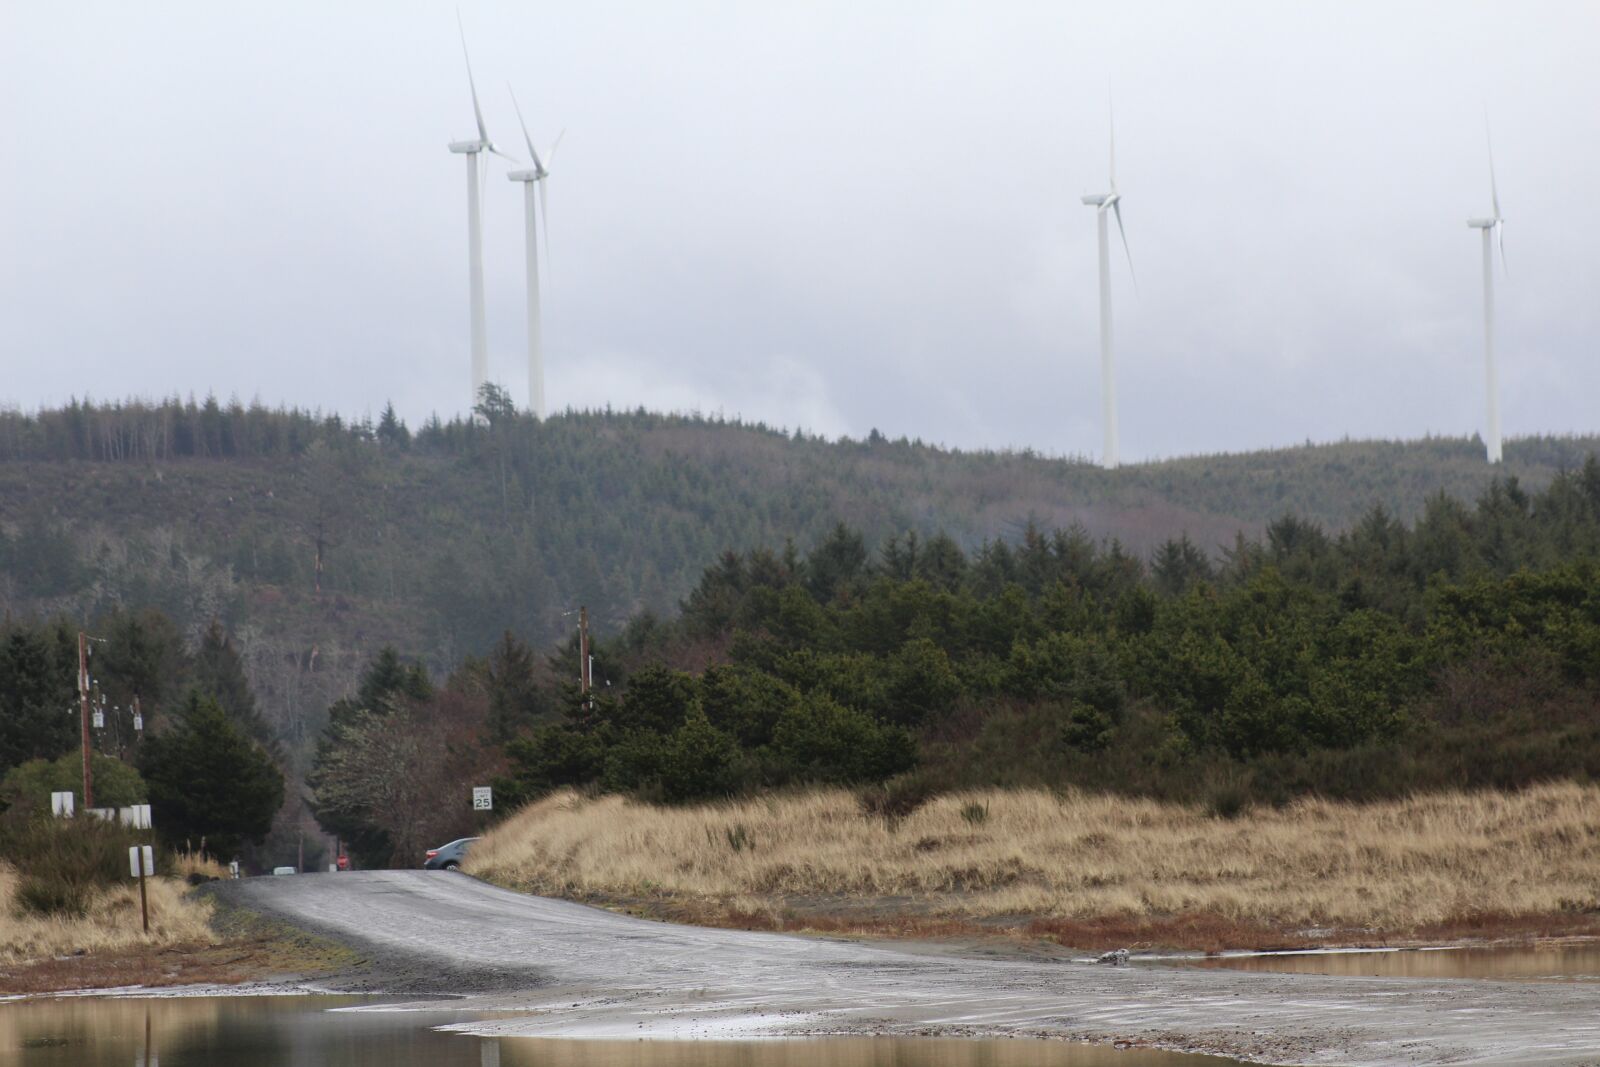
x,y
886,600
1461,650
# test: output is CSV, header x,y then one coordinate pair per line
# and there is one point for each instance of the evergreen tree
x,y
513,692
219,674
38,700
209,781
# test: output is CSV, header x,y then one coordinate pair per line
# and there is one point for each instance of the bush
x,y
61,861
821,741
896,798
29,786
697,762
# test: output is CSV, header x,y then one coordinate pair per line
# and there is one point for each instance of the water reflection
x,y
1579,962
300,1031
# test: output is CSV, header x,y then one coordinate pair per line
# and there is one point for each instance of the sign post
x,y
142,863
482,798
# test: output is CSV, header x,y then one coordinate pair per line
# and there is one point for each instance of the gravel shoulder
x,y
567,970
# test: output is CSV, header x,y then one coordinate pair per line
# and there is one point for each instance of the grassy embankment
x,y
188,942
106,944
1087,871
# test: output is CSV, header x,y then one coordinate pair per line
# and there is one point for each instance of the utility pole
x,y
585,665
83,717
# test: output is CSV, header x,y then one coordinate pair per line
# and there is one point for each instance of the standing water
x,y
310,1032
1576,962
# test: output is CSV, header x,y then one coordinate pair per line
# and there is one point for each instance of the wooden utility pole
x,y
584,672
83,718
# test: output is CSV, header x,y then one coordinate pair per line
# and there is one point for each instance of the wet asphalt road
x,y
574,971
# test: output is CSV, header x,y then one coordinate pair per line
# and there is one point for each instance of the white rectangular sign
x,y
136,816
134,855
482,798
61,804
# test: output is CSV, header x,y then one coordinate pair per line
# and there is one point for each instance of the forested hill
x,y
438,538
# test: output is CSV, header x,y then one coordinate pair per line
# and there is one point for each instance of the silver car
x,y
448,857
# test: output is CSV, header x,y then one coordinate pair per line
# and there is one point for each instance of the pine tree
x,y
513,692
209,781
219,674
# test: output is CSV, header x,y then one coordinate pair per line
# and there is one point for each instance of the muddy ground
x,y
566,970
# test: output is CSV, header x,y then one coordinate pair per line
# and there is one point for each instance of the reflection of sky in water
x,y
297,1031
1553,962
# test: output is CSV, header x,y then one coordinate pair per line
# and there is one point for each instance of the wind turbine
x,y
470,149
530,179
1493,233
1103,202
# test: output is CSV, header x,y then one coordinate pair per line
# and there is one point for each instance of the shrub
x,y
896,798
821,741
61,861
29,786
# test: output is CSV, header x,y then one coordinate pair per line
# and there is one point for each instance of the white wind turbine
x,y
480,344
1493,233
1102,202
536,176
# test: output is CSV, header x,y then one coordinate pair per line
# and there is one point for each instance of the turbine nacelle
x,y
1484,224
1102,200
468,147
537,174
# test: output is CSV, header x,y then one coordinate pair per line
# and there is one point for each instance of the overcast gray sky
x,y
842,215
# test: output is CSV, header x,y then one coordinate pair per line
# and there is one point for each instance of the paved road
x,y
575,971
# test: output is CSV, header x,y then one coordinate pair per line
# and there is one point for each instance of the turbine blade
x,y
1494,189
1112,125
483,133
556,144
1116,207
503,155
532,151
1500,232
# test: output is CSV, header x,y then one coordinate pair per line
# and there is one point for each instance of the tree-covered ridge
x,y
1460,650
317,540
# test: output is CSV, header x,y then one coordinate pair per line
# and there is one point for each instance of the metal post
x,y
83,717
144,900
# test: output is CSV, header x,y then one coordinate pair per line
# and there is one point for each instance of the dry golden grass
x,y
1425,862
186,864
111,924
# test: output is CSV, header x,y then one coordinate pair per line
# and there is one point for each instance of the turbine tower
x,y
480,343
1493,233
534,177
1103,202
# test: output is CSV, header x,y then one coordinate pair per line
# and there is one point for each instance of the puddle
x,y
1571,963
301,1031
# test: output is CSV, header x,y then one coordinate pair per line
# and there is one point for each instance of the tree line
x,y
1460,650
